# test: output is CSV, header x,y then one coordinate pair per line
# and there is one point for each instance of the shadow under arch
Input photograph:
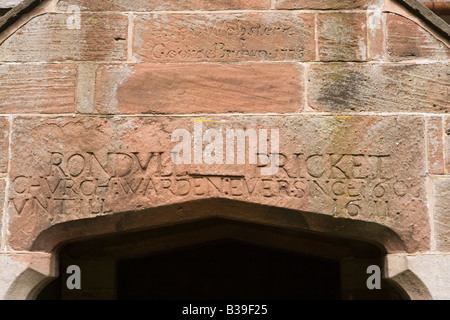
x,y
352,244
217,208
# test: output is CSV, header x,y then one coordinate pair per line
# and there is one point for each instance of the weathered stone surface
x,y
422,276
56,37
435,135
325,4
224,37
375,35
199,88
368,168
4,145
6,4
43,88
2,203
23,272
406,40
11,270
158,5
447,144
442,213
85,87
342,37
380,87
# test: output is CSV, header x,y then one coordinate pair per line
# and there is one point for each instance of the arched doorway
x,y
217,258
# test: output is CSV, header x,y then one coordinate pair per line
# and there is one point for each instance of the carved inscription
x,y
91,183
225,37
365,168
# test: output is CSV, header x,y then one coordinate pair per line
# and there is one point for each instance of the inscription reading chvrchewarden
x,y
366,168
82,182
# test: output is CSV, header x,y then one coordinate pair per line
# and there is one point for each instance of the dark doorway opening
x,y
219,259
228,270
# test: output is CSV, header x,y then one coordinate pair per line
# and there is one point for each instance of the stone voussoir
x,y
326,4
406,40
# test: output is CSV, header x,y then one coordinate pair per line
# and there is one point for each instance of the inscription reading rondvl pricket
x,y
90,183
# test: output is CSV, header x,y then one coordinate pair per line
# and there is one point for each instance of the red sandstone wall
x,y
376,75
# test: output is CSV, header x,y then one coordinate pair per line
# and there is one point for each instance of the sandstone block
x,y
365,168
325,4
447,144
166,5
4,145
2,203
442,213
406,40
199,88
224,37
435,145
382,88
342,37
58,37
43,88
375,35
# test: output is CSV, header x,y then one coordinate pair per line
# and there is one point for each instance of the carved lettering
x,y
92,183
228,37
